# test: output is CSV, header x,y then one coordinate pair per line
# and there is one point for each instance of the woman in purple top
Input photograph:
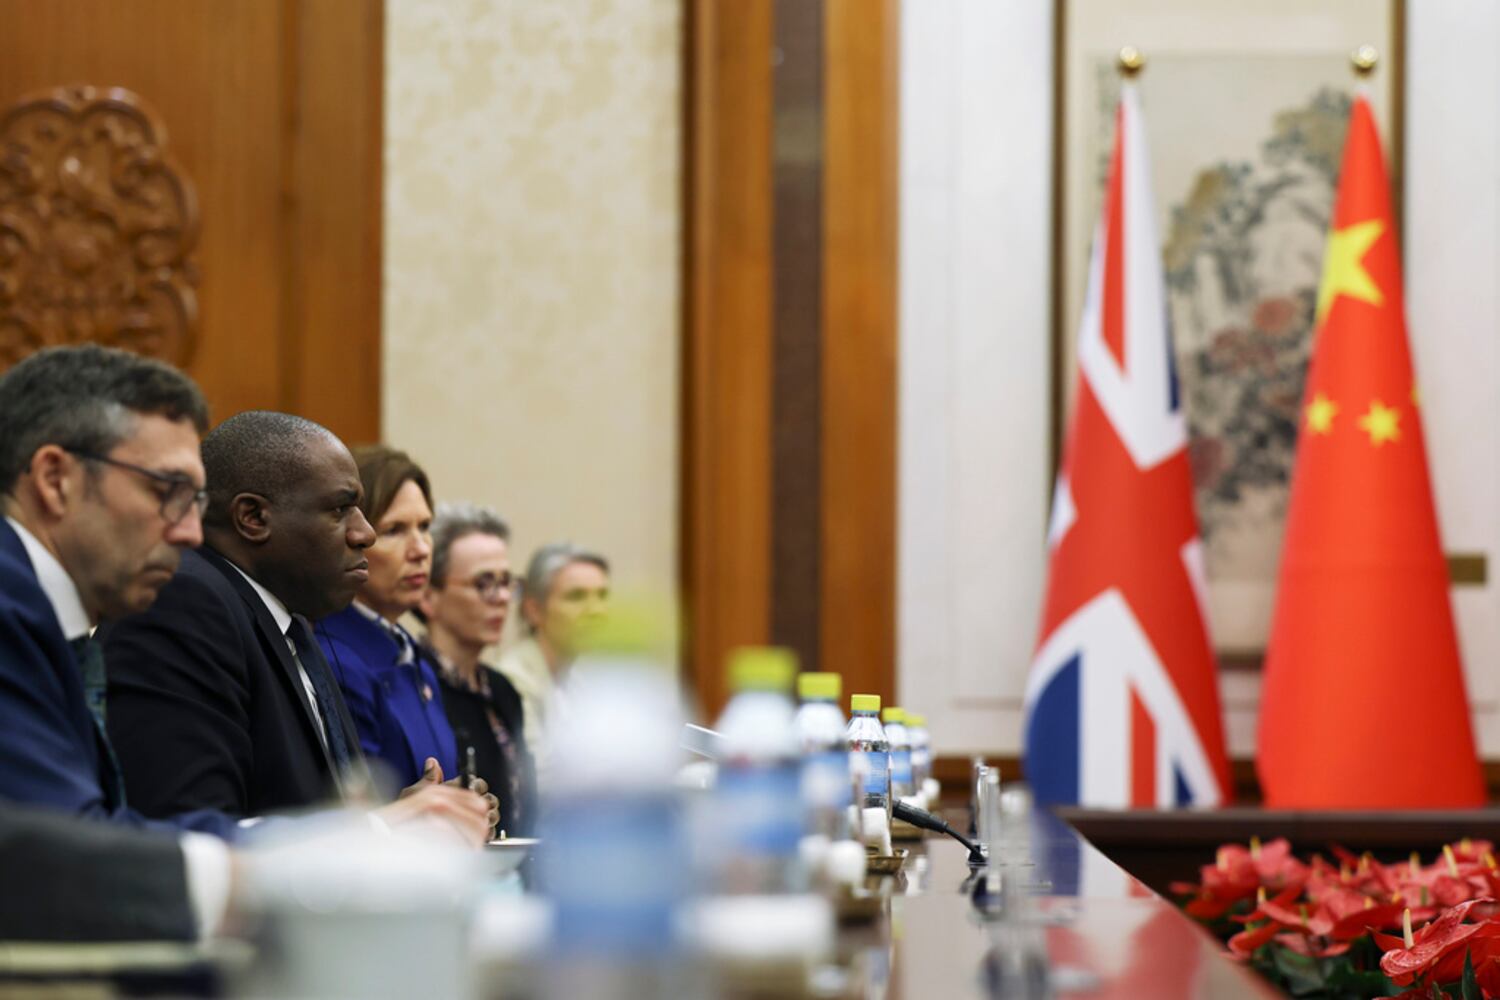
x,y
389,683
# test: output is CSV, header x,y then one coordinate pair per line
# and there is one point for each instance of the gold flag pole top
x,y
1132,62
1364,59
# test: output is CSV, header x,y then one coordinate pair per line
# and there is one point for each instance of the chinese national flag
x,y
1363,704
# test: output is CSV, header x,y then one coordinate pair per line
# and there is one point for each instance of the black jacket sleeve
x,y
179,702
68,879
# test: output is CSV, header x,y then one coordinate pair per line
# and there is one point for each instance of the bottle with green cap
x,y
757,797
826,790
866,737
894,720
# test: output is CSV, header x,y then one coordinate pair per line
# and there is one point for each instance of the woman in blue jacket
x,y
389,684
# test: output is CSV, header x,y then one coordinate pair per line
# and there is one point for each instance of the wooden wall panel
x,y
726,570
272,108
732,413
332,256
859,344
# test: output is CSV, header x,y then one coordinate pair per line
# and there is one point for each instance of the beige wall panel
x,y
532,267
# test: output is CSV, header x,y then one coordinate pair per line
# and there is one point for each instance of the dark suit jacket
x,y
206,708
511,776
51,752
73,880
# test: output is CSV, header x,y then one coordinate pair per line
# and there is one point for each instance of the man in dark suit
x,y
219,698
101,487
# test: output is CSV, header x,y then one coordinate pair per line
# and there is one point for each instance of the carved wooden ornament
x,y
97,228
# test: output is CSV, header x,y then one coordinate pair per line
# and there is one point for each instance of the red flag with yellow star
x,y
1363,702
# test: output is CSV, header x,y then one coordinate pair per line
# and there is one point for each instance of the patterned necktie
x,y
90,658
316,668
407,657
91,667
408,654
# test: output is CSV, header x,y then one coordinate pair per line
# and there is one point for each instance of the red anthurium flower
x,y
1487,972
1321,932
1278,909
1275,866
1236,874
1374,918
1244,944
1472,850
1450,891
1232,877
1300,919
1437,950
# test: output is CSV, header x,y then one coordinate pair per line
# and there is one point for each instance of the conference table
x,y
1103,934
1073,925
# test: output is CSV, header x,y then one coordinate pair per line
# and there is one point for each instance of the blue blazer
x,y
397,711
52,753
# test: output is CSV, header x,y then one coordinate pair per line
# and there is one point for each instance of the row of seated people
x,y
408,650
159,665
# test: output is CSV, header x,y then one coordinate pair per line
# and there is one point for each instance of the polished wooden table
x,y
1092,930
1104,933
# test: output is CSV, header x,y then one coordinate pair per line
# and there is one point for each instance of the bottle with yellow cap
x,y
866,737
826,790
894,720
757,797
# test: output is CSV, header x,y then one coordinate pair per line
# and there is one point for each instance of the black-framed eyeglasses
x,y
181,496
490,585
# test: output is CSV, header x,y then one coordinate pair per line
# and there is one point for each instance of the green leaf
x,y
1470,983
1300,975
1346,980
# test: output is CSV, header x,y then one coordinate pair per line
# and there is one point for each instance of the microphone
x,y
927,821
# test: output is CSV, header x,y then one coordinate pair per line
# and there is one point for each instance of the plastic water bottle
x,y
757,804
866,737
611,822
895,733
921,750
826,791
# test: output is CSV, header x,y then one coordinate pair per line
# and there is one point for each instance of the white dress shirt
x,y
205,858
283,619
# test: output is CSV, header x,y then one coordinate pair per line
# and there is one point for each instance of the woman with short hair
x,y
390,686
465,607
565,593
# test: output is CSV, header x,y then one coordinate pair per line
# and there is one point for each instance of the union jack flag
x,y
1122,704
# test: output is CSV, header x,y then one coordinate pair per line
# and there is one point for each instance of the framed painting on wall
x,y
1245,110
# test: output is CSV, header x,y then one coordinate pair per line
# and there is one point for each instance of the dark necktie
x,y
316,668
90,658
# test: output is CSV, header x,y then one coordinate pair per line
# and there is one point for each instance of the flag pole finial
x,y
1131,61
1364,59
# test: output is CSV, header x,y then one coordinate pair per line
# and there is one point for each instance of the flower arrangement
x,y
1352,927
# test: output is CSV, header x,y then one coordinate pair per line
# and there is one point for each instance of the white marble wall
x,y
975,288
1452,253
975,320
532,258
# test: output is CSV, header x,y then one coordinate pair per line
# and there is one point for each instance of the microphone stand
x,y
927,821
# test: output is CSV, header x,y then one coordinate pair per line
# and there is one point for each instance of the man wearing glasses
x,y
103,489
